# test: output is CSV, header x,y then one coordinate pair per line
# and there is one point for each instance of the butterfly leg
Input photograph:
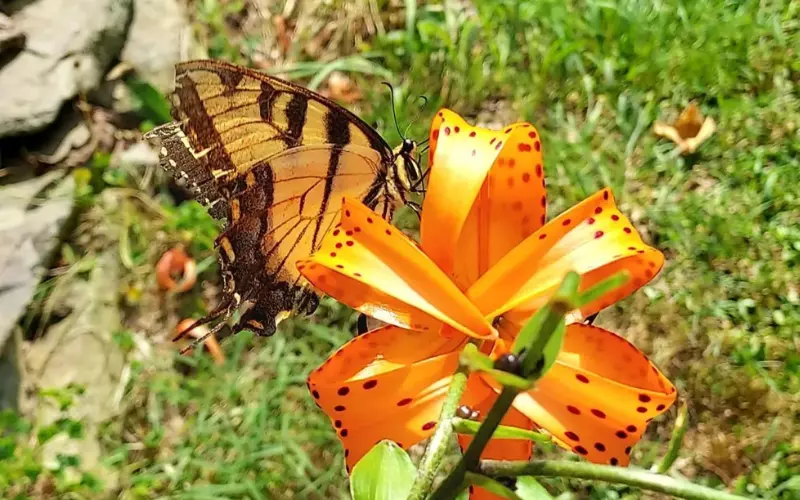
x,y
416,207
222,310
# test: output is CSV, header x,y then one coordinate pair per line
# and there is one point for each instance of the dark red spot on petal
x,y
598,234
544,201
333,254
641,409
338,245
542,236
403,401
615,217
526,177
582,378
472,134
600,447
631,428
598,413
524,147
493,139
336,232
590,220
447,131
644,398
315,394
538,170
628,450
660,407
613,461
573,410
499,145
508,130
388,233
428,426
532,135
347,213
457,130
598,210
605,195
537,146
339,408
566,222
349,243
337,424
627,230
621,434
369,220
581,450
369,384
343,391
572,436
343,433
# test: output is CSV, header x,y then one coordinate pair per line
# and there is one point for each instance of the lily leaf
x,y
385,473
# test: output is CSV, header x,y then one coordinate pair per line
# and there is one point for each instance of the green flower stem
x,y
620,475
681,424
437,446
452,484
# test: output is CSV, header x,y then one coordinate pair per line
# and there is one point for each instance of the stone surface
x,y
11,37
62,57
32,214
80,350
159,37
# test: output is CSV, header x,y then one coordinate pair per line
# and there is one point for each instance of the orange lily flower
x,y
485,263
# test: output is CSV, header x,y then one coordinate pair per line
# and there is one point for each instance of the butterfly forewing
x,y
274,159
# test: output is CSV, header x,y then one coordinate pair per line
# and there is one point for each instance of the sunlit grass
x,y
721,320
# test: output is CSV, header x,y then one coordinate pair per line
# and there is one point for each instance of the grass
x,y
721,320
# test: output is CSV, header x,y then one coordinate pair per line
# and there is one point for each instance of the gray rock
x,y
159,37
30,225
80,350
11,37
70,44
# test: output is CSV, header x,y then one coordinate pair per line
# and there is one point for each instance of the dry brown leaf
x,y
689,131
341,88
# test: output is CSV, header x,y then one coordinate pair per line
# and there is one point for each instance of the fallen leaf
x,y
175,261
689,131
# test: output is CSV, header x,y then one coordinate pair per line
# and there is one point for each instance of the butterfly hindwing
x,y
270,157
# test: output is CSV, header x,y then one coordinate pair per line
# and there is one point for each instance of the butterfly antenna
x,y
394,111
419,113
202,339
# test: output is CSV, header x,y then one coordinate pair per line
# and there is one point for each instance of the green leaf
x,y
492,486
470,427
602,288
529,488
153,105
385,473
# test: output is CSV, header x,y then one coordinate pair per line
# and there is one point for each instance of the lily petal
x,y
485,194
593,238
480,396
374,268
400,376
599,396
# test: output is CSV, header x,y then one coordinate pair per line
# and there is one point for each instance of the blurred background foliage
x,y
721,320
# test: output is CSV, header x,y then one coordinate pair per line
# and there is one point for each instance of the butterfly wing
x,y
268,156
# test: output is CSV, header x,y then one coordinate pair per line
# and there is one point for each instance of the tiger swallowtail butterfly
x,y
272,158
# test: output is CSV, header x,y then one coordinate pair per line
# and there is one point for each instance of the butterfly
x,y
272,158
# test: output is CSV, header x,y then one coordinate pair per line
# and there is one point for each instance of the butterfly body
x,y
273,159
